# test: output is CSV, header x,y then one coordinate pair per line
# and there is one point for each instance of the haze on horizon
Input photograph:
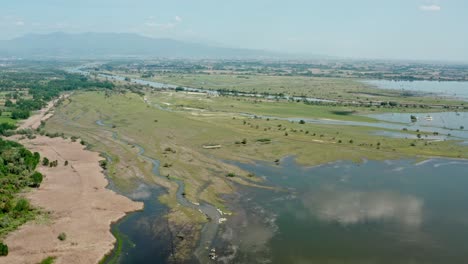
x,y
387,29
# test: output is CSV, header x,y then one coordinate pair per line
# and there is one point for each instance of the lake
x,y
343,212
449,89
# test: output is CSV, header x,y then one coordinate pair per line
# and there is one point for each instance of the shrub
x,y
22,205
45,161
36,179
48,260
3,249
230,175
302,122
103,164
62,236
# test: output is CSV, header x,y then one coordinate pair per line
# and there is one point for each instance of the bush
x,y
62,236
103,164
36,179
302,122
45,161
230,175
3,249
22,205
48,260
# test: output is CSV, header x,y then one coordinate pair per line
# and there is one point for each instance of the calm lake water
x,y
375,212
449,89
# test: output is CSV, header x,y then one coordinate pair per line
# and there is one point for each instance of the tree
x,y
20,114
45,161
36,178
302,122
9,103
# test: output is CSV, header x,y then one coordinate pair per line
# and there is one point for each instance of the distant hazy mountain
x,y
89,45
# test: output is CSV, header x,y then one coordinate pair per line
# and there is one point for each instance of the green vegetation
x,y
62,236
3,249
6,128
31,91
48,260
17,171
342,89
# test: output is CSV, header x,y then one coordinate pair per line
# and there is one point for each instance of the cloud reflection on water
x,y
353,207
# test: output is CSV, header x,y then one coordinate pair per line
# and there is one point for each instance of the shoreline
x,y
75,200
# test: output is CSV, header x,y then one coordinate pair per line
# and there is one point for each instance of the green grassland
x,y
186,132
314,87
177,136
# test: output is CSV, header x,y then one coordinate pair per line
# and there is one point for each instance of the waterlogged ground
x,y
374,212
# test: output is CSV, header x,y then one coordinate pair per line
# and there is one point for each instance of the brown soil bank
x,y
79,205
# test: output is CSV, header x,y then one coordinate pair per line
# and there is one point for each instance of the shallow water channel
x,y
145,235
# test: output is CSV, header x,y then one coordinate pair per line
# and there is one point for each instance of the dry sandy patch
x,y
79,205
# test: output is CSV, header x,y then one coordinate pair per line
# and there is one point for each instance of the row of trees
x,y
42,89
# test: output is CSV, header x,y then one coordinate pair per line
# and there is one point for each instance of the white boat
x,y
429,118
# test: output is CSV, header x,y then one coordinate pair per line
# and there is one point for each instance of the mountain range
x,y
100,45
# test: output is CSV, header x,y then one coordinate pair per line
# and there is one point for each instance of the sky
x,y
373,29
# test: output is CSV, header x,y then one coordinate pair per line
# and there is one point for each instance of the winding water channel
x,y
149,196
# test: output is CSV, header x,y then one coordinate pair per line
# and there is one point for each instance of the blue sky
x,y
393,29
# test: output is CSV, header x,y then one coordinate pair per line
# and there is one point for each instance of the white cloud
x,y
19,23
353,207
162,26
432,7
153,23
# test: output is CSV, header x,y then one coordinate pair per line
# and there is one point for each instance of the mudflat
x,y
78,203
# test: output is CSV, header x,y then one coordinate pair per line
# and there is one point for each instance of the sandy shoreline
x,y
78,202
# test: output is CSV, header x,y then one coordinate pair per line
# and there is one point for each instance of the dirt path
x,y
45,113
79,205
